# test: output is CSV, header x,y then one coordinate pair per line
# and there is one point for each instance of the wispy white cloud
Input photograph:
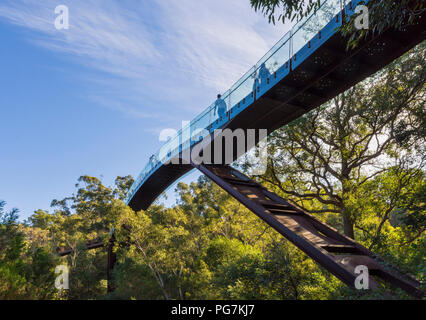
x,y
217,40
153,52
104,35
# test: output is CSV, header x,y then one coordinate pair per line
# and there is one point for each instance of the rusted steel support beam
x,y
112,256
332,250
311,250
94,244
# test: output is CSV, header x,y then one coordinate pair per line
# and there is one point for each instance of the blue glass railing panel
x,y
241,91
199,125
186,136
312,25
278,61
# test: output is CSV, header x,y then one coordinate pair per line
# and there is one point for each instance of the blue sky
x,y
93,99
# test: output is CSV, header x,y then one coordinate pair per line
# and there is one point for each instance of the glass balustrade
x,y
241,94
308,28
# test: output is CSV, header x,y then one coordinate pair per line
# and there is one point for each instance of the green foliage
x,y
26,271
383,15
357,161
210,247
396,14
86,216
324,160
283,10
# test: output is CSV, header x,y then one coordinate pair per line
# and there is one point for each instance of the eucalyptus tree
x,y
323,158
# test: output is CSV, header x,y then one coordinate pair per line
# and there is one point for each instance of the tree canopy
x,y
383,14
357,163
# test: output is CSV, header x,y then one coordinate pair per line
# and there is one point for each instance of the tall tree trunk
x,y
348,226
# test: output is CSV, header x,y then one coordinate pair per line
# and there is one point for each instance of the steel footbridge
x,y
309,66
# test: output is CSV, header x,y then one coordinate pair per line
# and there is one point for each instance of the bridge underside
x,y
327,72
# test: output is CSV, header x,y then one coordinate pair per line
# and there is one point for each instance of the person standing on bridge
x,y
152,161
220,107
262,78
264,74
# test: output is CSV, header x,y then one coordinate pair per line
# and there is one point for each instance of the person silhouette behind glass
x,y
220,107
152,161
262,78
263,74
